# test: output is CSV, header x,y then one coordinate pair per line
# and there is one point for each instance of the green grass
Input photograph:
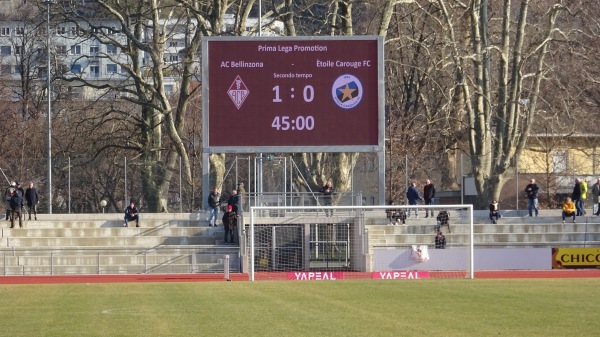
x,y
545,307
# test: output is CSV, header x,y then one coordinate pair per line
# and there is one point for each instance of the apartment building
x,y
86,55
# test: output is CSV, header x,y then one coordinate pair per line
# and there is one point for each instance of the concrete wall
x,y
458,259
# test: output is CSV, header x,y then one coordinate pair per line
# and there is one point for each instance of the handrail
x,y
135,260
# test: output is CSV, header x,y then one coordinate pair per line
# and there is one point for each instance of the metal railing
x,y
104,261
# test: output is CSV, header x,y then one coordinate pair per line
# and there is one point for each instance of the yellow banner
x,y
575,258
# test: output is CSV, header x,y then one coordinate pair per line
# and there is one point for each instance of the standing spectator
x,y
214,202
596,194
440,241
576,197
532,197
16,206
584,190
241,190
7,195
234,201
494,211
229,224
21,192
428,195
568,209
20,189
327,192
413,196
131,213
32,198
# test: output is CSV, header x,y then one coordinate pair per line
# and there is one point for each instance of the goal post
x,y
343,242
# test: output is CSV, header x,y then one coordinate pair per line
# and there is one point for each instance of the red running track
x,y
57,279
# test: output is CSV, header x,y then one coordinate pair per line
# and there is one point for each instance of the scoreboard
x,y
300,94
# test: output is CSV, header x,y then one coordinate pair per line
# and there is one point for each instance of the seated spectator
x,y
494,211
568,209
131,213
440,241
395,215
443,219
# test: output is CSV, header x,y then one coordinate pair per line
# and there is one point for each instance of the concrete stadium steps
x,y
516,232
486,239
482,217
109,223
191,259
107,232
63,244
110,259
108,241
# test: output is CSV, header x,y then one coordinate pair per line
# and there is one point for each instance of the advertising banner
x,y
575,258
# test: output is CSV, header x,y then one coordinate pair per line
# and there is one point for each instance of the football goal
x,y
343,242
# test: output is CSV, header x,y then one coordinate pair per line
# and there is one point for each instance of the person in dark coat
x,y
532,197
16,207
428,195
7,195
577,197
413,196
33,199
132,213
229,225
327,192
443,219
440,241
494,211
234,201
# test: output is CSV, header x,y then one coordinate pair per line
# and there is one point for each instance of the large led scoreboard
x,y
304,94
292,95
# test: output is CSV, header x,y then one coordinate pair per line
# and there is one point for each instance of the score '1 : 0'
x,y
308,94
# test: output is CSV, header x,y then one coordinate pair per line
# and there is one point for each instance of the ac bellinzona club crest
x,y
238,92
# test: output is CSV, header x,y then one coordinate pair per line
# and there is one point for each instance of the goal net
x,y
344,242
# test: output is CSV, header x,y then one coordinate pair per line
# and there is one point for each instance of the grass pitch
x,y
525,307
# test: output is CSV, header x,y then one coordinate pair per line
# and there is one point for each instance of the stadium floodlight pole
x,y
49,92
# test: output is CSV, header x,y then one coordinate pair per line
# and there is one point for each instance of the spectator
x,y
20,189
16,207
327,192
234,201
131,213
494,211
413,196
584,191
428,195
241,190
391,214
229,224
7,195
443,219
395,215
440,241
532,197
576,197
214,202
568,209
596,194
32,198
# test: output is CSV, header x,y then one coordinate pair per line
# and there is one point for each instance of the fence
x,y
100,261
80,184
